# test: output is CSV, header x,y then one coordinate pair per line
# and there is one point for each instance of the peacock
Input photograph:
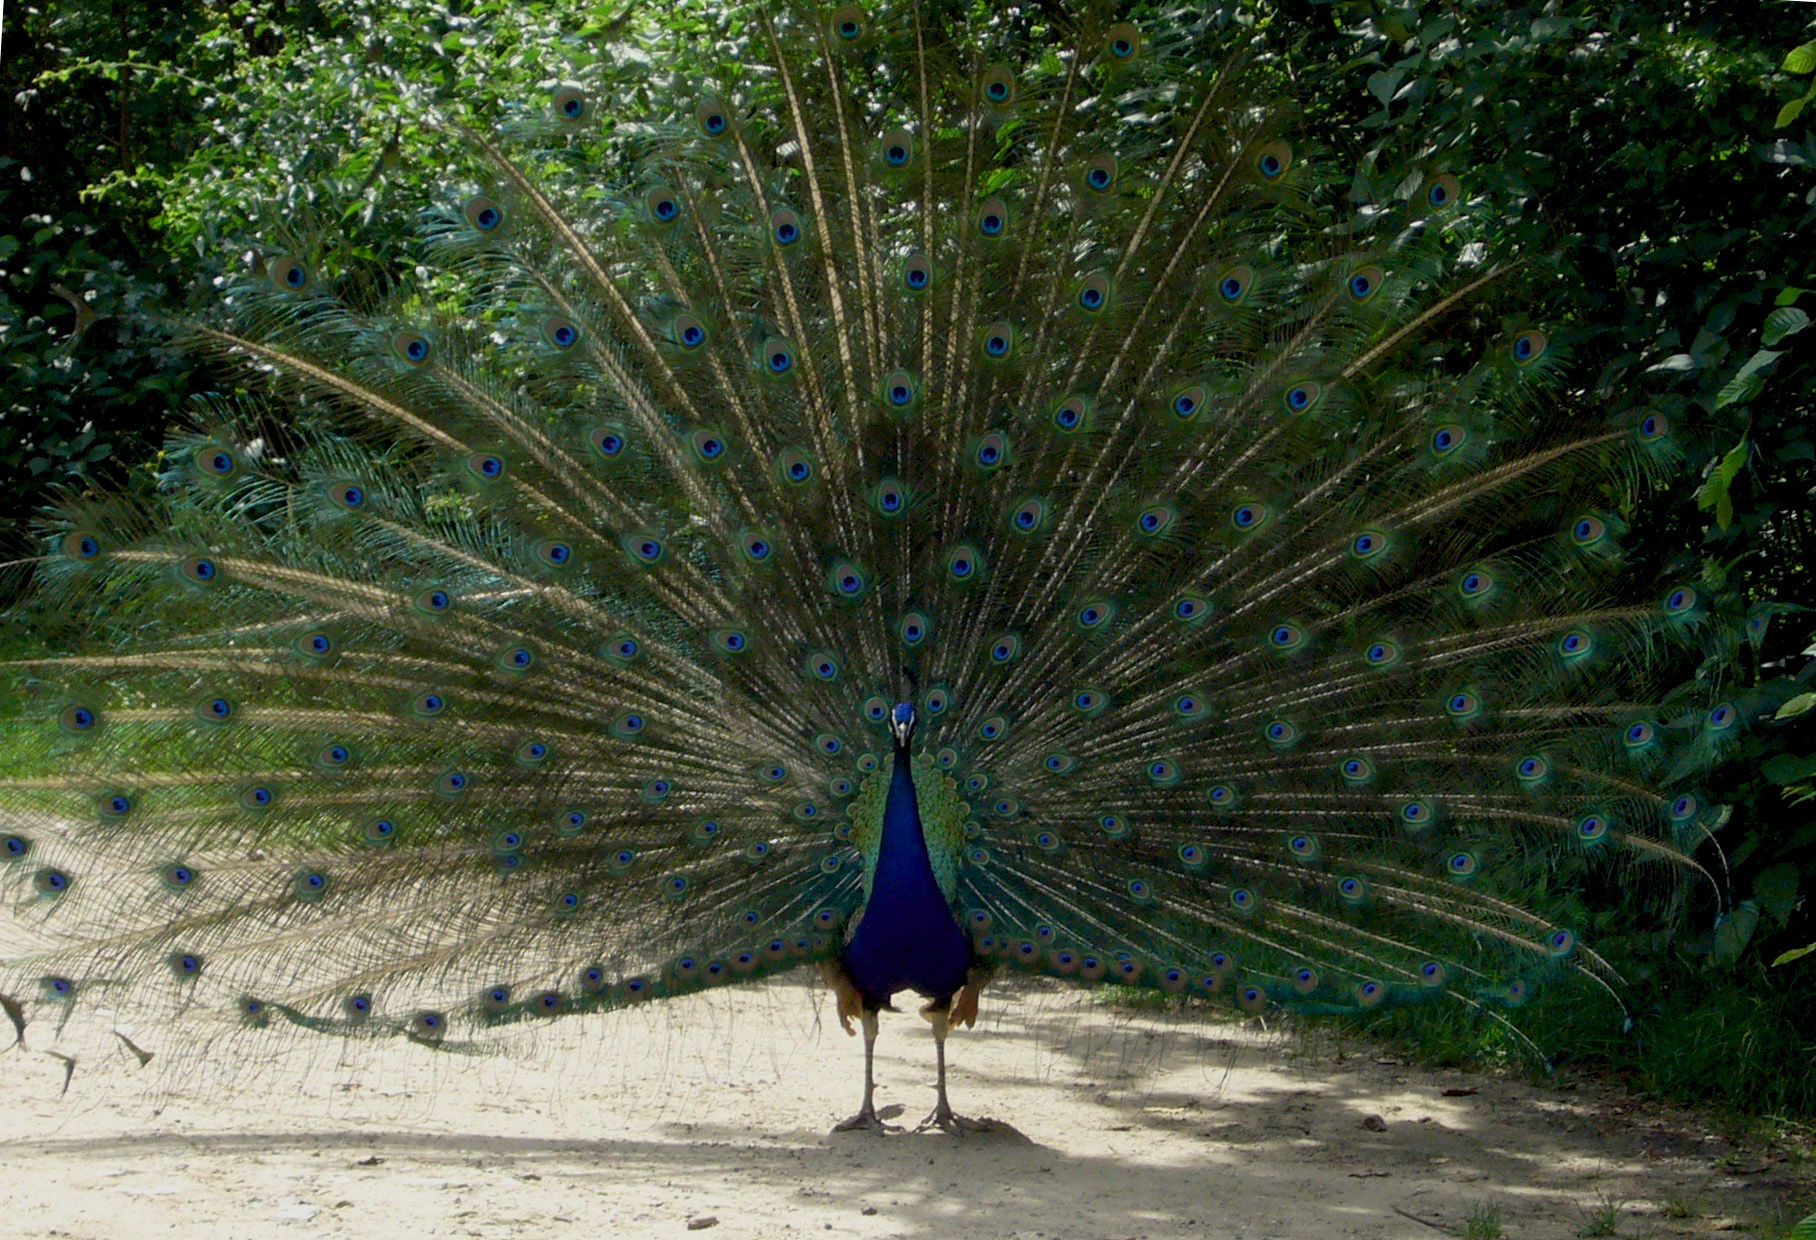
x,y
959,493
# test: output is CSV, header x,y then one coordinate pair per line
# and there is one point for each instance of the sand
x,y
713,1114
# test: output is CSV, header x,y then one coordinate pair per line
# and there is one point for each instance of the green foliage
x,y
86,370
1682,299
155,144
1800,60
1678,239
90,384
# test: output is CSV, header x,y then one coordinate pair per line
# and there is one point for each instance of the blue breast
x,y
907,938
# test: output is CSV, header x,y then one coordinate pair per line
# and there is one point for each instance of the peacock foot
x,y
866,1120
946,1120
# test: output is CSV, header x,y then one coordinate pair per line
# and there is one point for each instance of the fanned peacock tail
x,y
1258,593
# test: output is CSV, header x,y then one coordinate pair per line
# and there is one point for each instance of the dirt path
x,y
718,1108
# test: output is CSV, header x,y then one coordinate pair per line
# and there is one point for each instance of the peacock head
x,y
901,723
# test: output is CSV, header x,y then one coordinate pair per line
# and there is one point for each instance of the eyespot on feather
x,y
1100,173
896,149
993,218
712,117
483,215
1273,160
660,206
917,273
485,466
81,545
847,24
560,332
1121,43
786,227
1529,346
1093,296
411,347
997,340
1364,282
998,87
569,104
290,273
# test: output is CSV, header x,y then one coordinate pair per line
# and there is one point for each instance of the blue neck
x,y
908,938
904,872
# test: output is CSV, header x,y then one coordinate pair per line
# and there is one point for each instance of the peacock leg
x,y
866,1117
942,1116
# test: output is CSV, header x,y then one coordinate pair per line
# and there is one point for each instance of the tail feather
x,y
1252,568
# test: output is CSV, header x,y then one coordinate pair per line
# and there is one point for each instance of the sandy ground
x,y
713,1113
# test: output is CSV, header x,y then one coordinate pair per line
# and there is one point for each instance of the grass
x,y
1483,1223
1721,1044
1718,1043
1604,1219
1135,998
